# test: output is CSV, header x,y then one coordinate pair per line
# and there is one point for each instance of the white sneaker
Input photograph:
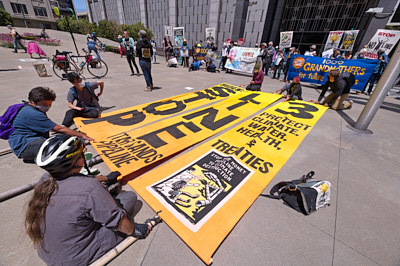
x,y
351,104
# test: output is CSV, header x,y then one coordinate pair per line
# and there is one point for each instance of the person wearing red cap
x,y
293,90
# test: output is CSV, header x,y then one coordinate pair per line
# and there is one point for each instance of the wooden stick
x,y
5,151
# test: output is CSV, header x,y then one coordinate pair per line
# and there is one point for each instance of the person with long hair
x,y
144,51
71,218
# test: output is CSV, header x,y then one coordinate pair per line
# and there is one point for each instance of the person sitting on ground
x,y
196,65
293,90
43,34
32,125
210,66
340,92
71,218
258,78
87,101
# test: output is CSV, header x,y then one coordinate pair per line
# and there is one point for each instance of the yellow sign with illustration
x,y
201,193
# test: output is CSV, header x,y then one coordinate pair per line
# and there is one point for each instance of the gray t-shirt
x,y
81,223
85,98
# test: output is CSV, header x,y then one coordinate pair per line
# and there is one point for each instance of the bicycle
x,y
65,63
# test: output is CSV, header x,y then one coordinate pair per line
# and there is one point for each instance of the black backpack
x,y
349,78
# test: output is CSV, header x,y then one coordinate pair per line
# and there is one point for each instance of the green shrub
x,y
5,18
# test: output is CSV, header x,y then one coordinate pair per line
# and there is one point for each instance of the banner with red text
x,y
383,39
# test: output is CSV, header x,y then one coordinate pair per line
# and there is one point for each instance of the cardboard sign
x,y
130,118
129,151
333,39
383,39
204,193
286,39
349,37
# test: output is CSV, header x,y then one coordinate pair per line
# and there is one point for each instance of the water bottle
x,y
81,64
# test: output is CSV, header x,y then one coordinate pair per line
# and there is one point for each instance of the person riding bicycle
x,y
71,218
87,101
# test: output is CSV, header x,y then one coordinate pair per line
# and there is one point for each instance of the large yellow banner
x,y
129,151
204,193
130,118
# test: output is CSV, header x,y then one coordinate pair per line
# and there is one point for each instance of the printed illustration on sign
x,y
349,37
333,40
197,191
286,39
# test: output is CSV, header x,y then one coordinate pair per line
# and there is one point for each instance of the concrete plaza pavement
x,y
360,227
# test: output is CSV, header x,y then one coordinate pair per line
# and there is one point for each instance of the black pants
x,y
30,152
131,60
267,65
87,112
253,87
223,62
278,69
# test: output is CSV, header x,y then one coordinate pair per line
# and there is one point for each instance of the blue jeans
x,y
91,48
16,42
146,69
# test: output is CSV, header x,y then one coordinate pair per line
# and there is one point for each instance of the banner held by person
x,y
127,119
286,39
242,59
127,152
383,39
168,30
316,69
333,40
179,35
348,39
200,53
201,193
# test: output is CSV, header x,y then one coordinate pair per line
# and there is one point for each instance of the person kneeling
x,y
71,218
258,78
293,90
87,101
340,92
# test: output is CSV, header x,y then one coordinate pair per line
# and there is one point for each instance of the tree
x,y
5,18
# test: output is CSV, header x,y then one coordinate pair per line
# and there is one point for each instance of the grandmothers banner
x,y
129,151
204,193
316,69
242,59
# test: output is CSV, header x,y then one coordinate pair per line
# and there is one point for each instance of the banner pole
x,y
386,82
25,188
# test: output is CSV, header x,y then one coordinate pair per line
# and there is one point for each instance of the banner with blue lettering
x,y
316,69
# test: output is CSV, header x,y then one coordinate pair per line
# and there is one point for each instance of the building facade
x,y
34,13
255,21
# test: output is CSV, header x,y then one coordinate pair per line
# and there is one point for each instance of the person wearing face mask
x,y
87,101
32,126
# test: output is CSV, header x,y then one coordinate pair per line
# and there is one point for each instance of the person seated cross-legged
x,y
87,101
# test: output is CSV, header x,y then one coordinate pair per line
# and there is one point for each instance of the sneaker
x,y
147,88
351,104
132,74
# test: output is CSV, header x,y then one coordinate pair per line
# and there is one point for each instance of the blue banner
x,y
316,69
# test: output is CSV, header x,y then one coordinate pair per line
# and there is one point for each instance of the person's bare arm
x,y
72,106
68,131
125,226
101,84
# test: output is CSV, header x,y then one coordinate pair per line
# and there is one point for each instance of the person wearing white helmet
x,y
71,218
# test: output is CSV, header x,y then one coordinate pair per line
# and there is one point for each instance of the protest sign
x,y
133,117
242,59
348,39
333,40
129,151
167,30
204,193
286,39
210,35
200,53
383,39
179,34
316,69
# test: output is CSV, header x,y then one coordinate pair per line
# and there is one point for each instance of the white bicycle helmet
x,y
59,154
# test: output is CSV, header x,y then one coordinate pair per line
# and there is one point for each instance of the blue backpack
x,y
6,120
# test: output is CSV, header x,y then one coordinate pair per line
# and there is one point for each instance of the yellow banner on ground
x,y
203,193
133,117
127,152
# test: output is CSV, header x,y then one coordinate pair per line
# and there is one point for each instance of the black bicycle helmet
x,y
59,154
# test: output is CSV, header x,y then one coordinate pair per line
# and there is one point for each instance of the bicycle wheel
x,y
62,67
97,68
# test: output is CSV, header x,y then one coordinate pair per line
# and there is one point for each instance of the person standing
x,y
129,45
91,44
16,39
278,63
287,62
311,51
154,45
269,57
185,53
144,52
380,67
121,48
224,57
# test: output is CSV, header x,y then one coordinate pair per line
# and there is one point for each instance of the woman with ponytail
x,y
72,219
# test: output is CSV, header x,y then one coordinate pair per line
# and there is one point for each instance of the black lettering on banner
x,y
245,100
200,96
220,91
209,121
303,110
154,140
152,108
133,117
